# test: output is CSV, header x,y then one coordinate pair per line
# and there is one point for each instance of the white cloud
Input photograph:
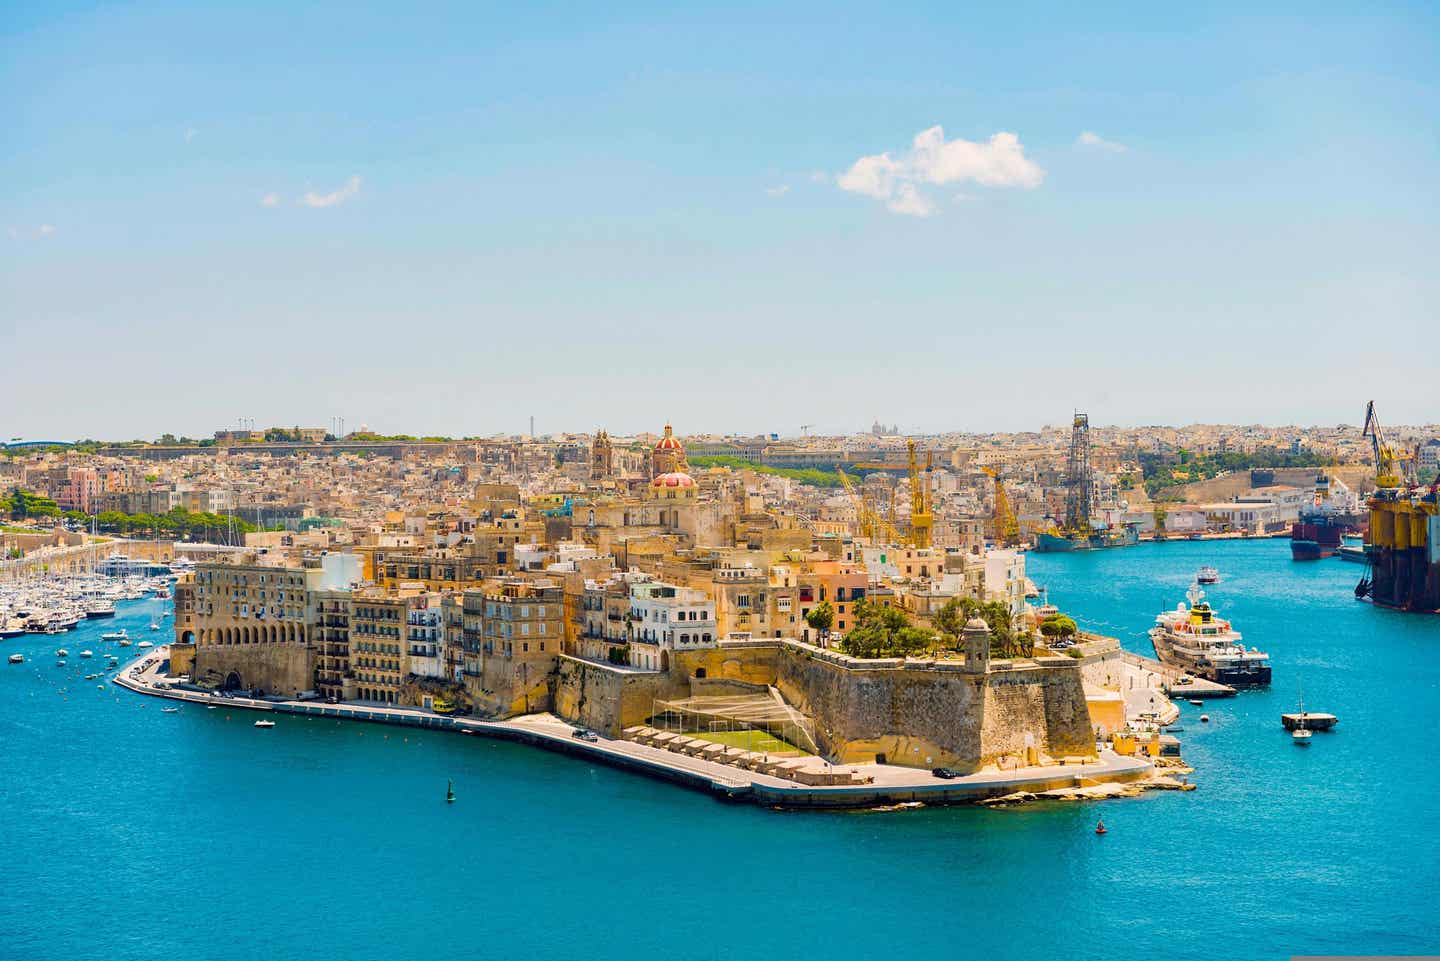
x,y
779,191
333,199
997,162
1091,139
270,200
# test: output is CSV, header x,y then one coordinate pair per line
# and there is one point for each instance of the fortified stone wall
x,y
287,668
918,713
607,699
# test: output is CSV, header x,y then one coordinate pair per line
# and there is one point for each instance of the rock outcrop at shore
x,y
1092,792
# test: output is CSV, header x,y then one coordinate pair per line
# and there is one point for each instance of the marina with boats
x,y
40,604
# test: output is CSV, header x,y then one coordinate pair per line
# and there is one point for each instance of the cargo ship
x,y
1322,526
1194,639
1054,541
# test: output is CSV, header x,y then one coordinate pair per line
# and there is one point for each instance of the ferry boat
x,y
1195,639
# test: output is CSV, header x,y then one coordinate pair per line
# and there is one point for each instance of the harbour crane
x,y
922,522
1391,469
1004,525
873,527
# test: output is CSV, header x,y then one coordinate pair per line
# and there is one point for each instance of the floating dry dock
x,y
1310,721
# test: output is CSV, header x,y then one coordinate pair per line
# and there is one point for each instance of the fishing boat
x,y
1196,640
1207,575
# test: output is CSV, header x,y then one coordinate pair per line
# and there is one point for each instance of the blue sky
x,y
447,218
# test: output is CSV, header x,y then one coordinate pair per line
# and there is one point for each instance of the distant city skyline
x,y
740,219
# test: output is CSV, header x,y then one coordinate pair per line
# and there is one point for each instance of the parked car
x,y
585,734
947,773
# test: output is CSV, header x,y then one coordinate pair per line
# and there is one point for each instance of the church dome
x,y
673,479
669,441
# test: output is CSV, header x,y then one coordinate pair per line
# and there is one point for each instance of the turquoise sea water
x,y
132,834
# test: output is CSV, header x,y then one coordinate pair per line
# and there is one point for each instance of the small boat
x,y
449,792
87,653
169,710
264,723
1100,827
60,663
144,644
1204,718
17,658
119,635
124,642
1300,737
1196,702
1303,720
1208,575
62,653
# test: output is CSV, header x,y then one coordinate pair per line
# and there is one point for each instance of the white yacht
x,y
1195,639
119,635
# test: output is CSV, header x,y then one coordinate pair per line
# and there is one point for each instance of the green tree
x,y
821,619
1059,625
950,620
883,632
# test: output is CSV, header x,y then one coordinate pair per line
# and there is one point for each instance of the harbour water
x,y
131,833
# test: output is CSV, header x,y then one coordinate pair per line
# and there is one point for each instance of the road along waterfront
x,y
890,784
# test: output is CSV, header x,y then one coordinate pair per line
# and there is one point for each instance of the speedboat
x,y
60,663
144,644
169,710
264,723
119,635
87,653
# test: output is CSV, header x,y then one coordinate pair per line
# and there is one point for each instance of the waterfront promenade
x,y
889,784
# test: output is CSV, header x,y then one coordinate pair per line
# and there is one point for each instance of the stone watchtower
x,y
976,638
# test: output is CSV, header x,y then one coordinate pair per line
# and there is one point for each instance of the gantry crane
x,y
873,527
922,522
1004,525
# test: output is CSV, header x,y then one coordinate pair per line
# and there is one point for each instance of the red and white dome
x,y
673,479
669,441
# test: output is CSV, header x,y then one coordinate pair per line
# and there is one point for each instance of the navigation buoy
x,y
449,792
1099,827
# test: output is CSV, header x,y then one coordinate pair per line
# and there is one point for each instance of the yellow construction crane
x,y
922,522
1004,525
1391,469
873,527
